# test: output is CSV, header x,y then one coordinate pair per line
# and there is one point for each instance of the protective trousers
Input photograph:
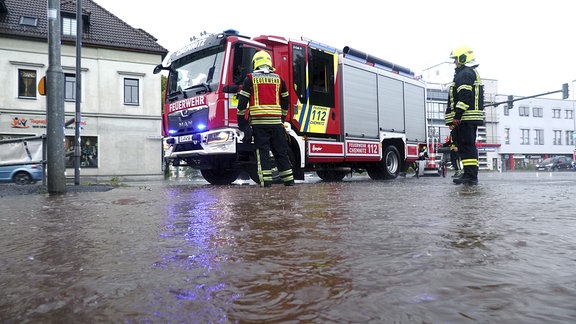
x,y
466,142
272,138
454,155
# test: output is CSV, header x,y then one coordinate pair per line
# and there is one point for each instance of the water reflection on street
x,y
403,251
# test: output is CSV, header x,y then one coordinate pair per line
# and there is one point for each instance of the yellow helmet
x,y
261,58
462,55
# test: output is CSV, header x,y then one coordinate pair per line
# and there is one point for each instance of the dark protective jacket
x,y
466,97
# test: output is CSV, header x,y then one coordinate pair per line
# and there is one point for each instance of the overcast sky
x,y
528,46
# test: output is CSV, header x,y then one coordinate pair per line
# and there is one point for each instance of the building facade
x,y
120,98
535,129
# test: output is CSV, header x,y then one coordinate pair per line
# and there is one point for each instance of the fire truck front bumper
x,y
207,143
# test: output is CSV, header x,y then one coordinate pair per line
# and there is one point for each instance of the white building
x,y
121,97
535,129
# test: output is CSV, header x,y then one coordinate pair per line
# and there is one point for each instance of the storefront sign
x,y
24,122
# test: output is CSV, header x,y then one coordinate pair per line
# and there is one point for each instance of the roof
x,y
102,28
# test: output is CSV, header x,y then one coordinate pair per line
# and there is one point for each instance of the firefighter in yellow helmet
x,y
466,111
262,107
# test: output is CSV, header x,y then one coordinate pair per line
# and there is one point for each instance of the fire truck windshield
x,y
196,71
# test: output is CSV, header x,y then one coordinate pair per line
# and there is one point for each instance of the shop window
x,y
26,83
88,151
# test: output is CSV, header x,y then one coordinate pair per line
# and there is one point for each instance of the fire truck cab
x,y
349,111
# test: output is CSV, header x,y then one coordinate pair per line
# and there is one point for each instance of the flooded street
x,y
360,251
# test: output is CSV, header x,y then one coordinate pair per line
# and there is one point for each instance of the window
x,y
524,111
538,112
557,137
538,137
569,114
69,87
69,26
88,151
26,83
299,70
321,74
525,137
131,91
506,135
569,138
435,111
28,21
555,113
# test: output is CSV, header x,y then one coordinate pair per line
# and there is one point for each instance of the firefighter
x,y
262,108
454,156
466,96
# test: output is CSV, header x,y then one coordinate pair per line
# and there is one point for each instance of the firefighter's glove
x,y
248,133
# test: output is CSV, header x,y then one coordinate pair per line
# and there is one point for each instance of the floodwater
x,y
360,251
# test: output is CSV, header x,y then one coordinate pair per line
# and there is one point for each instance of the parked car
x,y
556,163
21,174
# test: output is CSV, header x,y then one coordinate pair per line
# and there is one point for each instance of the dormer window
x,y
70,23
68,26
29,21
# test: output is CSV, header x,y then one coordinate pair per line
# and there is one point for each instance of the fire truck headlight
x,y
219,137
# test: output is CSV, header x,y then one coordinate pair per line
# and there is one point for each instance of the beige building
x,y
120,99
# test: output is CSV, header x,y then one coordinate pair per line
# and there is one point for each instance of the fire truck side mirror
x,y
158,68
231,88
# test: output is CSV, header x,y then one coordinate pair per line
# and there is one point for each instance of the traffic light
x,y
510,102
565,91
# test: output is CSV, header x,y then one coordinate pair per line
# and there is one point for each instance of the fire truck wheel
x,y
220,176
389,167
331,175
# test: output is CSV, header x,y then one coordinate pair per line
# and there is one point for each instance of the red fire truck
x,y
349,111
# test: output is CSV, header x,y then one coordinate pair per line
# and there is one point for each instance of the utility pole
x,y
55,104
78,116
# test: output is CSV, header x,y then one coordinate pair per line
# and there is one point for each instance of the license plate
x,y
185,138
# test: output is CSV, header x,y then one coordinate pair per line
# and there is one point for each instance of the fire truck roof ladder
x,y
377,62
